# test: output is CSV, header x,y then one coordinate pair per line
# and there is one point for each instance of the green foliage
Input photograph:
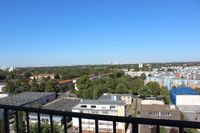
x,y
22,85
121,88
190,130
45,128
163,130
2,75
143,76
21,123
145,91
118,83
1,126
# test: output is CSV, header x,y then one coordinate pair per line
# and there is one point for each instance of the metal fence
x,y
114,119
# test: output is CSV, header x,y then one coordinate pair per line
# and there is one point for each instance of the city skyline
x,y
37,33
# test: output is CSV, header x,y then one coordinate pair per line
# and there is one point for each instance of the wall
x,y
188,100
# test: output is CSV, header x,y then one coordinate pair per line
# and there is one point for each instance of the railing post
x,y
65,124
157,129
6,121
114,127
39,123
96,126
134,128
17,121
51,122
80,125
27,122
180,129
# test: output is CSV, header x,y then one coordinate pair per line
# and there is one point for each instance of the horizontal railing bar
x,y
145,121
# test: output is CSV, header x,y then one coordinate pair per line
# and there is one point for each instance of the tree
x,y
121,88
57,76
45,128
34,86
21,123
98,90
145,91
154,87
27,75
10,87
138,84
83,83
2,75
110,84
143,76
51,86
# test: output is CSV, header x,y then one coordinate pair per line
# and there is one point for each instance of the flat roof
x,y
101,102
158,107
63,104
24,98
189,108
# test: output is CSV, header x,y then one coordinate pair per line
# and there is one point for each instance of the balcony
x,y
135,122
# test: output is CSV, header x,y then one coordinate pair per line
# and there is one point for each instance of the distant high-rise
x,y
141,65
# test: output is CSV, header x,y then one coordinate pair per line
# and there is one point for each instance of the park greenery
x,y
119,83
19,81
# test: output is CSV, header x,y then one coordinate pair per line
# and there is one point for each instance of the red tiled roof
x,y
65,81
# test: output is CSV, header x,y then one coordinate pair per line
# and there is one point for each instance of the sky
x,y
72,32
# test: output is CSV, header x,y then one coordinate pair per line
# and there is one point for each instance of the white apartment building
x,y
100,107
137,74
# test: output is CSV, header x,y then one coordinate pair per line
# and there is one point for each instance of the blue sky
x,y
69,32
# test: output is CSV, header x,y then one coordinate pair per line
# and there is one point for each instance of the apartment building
x,y
100,107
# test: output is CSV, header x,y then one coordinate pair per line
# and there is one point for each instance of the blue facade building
x,y
174,92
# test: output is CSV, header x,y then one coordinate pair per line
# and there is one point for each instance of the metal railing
x,y
115,119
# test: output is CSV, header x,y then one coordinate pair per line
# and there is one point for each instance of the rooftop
x,y
184,91
99,102
23,98
108,96
63,104
158,107
65,81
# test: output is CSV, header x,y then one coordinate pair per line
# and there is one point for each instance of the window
x,y
93,106
154,113
112,107
83,106
165,113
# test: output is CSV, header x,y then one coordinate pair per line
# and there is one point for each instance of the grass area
x,y
191,130
128,107
163,130
135,109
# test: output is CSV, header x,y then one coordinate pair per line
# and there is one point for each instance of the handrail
x,y
131,120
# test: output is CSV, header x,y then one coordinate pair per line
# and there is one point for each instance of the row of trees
x,y
2,75
24,85
118,83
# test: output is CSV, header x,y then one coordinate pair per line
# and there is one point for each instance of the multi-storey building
x,y
101,107
185,96
158,111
